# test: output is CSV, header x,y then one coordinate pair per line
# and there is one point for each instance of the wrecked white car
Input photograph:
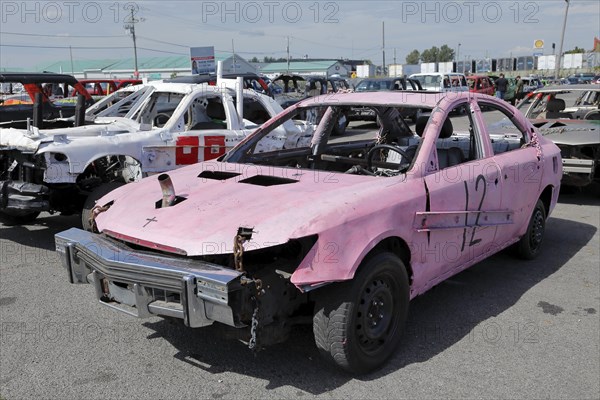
x,y
158,128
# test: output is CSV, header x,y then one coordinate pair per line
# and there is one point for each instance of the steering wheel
x,y
391,147
161,119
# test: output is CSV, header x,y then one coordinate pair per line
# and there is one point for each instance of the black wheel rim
x,y
375,318
537,230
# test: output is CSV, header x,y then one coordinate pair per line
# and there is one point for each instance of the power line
x,y
65,47
60,36
91,48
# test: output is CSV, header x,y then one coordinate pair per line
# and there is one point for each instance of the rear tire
x,y
529,246
90,202
358,324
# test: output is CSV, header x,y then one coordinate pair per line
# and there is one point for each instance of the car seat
x,y
453,155
554,108
446,157
216,113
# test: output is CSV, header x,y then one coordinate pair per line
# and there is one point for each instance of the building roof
x,y
144,63
299,66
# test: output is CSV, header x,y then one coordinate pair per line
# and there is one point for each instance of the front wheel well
x,y
110,168
546,198
397,246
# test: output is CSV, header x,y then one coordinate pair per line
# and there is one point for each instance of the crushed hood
x,y
571,132
30,140
278,204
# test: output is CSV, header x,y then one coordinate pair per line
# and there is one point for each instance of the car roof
x,y
568,88
438,73
387,98
382,79
36,77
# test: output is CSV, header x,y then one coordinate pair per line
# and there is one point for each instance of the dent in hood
x,y
278,204
30,140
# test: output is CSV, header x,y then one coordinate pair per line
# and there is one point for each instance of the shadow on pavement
x,y
39,233
439,319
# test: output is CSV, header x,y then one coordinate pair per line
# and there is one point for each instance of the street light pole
x,y
383,46
560,47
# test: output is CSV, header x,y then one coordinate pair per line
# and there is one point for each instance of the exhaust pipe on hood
x,y
168,190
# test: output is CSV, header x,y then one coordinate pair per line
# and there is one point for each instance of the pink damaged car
x,y
344,230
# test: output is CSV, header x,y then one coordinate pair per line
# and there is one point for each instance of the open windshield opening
x,y
319,137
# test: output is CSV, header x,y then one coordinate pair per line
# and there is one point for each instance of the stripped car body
x,y
384,84
40,102
343,230
569,115
159,127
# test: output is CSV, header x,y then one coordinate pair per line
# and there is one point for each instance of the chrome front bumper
x,y
143,284
578,172
577,166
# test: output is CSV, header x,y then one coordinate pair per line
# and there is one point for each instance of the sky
x,y
36,32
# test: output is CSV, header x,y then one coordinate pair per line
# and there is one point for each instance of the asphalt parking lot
x,y
505,328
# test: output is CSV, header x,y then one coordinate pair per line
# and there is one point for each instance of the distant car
x,y
378,84
573,126
596,80
360,113
442,82
481,84
510,95
297,87
530,84
292,227
582,77
41,101
102,87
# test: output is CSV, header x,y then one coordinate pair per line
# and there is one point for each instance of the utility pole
x,y
288,54
560,47
383,48
71,54
233,52
130,26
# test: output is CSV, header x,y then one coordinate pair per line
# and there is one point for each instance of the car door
x,y
519,163
464,199
203,128
186,129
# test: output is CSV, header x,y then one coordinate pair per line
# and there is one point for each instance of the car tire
x,y
357,324
592,115
528,247
90,202
19,218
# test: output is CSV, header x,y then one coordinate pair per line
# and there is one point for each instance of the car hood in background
x,y
30,140
570,132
